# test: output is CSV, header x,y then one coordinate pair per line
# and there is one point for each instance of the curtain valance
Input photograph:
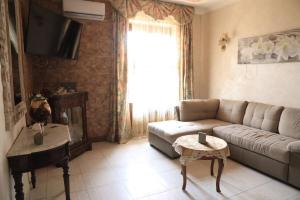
x,y
154,8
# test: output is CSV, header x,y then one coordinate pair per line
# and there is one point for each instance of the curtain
x,y
124,10
186,62
153,71
154,8
121,119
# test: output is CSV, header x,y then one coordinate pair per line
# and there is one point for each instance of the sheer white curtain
x,y
153,70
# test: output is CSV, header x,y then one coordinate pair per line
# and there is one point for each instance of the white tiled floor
x,y
138,171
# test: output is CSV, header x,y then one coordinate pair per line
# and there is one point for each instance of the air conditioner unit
x,y
84,9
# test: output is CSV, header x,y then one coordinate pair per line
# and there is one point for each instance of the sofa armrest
x,y
177,113
198,109
294,147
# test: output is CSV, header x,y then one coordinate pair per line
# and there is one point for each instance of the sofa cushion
x,y
289,124
263,142
294,146
263,116
231,111
171,130
197,109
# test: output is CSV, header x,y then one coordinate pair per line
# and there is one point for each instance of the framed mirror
x,y
14,52
12,64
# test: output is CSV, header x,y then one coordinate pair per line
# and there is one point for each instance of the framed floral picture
x,y
272,48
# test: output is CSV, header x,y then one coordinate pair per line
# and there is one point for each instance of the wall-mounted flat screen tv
x,y
51,34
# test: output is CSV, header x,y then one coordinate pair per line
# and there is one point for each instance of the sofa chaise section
x,y
194,116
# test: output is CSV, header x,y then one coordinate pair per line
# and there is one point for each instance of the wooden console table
x,y
25,156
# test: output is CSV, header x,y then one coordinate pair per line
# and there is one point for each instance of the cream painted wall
x,y
269,83
200,80
6,140
197,55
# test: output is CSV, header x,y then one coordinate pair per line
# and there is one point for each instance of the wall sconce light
x,y
224,40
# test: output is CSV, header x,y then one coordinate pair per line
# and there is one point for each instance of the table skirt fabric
x,y
190,149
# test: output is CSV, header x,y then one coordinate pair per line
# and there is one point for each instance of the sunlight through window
x,y
153,72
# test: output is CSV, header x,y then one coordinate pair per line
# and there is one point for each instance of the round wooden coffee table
x,y
190,149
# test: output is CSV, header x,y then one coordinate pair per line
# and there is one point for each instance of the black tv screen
x,y
51,34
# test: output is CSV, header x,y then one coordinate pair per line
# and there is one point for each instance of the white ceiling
x,y
203,6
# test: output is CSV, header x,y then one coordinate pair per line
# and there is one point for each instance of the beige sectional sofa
x,y
265,137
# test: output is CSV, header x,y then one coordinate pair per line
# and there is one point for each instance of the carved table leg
x,y
18,185
66,179
212,167
220,169
183,172
33,179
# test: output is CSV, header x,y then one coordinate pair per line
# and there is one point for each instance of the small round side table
x,y
190,149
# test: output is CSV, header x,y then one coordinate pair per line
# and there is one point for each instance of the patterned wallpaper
x,y
92,71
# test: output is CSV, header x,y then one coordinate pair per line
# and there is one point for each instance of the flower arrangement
x,y
39,109
39,112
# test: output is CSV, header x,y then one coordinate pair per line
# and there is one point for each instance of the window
x,y
153,66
